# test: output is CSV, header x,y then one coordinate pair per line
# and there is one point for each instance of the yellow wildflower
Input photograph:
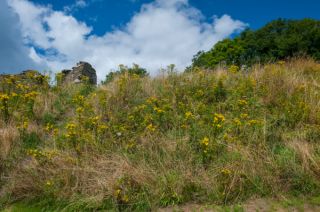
x,y
71,130
253,122
31,95
158,110
242,102
13,94
4,97
25,125
237,121
188,115
49,183
125,198
78,99
94,120
151,127
79,110
117,192
49,127
226,171
205,141
218,118
102,128
244,115
234,69
151,100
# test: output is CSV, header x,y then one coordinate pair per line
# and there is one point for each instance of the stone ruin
x,y
83,71
78,73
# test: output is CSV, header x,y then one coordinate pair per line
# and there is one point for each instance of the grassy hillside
x,y
207,137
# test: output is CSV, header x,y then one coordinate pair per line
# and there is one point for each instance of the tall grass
x,y
217,137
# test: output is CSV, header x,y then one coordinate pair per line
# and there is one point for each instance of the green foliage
x,y
134,70
220,92
277,40
227,51
137,144
31,140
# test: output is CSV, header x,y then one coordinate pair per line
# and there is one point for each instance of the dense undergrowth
x,y
212,137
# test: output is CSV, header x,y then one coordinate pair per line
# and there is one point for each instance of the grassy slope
x,y
218,137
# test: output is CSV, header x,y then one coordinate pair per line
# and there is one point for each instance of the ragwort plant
x,y
139,143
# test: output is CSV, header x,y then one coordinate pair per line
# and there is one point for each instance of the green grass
x,y
139,143
22,208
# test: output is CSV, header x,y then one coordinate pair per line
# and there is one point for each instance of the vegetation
x,y
277,40
140,143
134,70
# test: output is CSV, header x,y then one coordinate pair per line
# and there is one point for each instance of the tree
x,y
277,40
134,70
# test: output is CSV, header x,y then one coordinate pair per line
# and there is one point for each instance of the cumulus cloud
x,y
163,32
14,56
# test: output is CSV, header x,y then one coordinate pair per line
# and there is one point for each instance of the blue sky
x,y
53,35
105,14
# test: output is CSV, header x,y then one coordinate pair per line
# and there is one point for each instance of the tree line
x,y
277,40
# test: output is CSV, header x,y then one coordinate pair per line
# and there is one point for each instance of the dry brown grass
x,y
8,137
306,153
94,177
44,103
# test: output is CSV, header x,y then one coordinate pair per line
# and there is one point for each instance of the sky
x,y
54,35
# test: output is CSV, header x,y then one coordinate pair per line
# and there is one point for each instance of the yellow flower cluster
x,y
253,122
205,144
49,183
36,153
4,97
71,130
30,96
79,110
49,127
218,120
242,102
205,141
158,110
234,69
237,122
22,87
94,120
13,94
244,115
24,125
188,115
151,127
226,171
121,197
151,100
10,79
78,100
141,107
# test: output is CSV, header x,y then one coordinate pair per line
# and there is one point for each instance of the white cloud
x,y
14,55
161,33
78,4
